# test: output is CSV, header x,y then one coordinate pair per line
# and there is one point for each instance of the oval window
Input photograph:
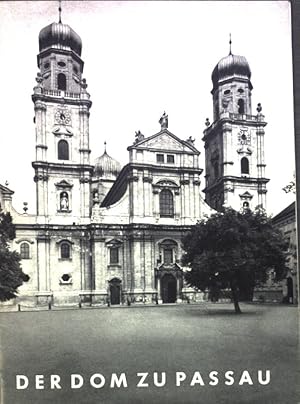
x,y
226,92
61,64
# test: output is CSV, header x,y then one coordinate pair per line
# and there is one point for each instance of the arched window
x,y
61,82
65,251
241,105
245,165
166,203
24,251
63,150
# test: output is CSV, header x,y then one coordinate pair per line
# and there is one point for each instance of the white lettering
x,y
76,378
245,378
213,378
118,381
39,382
141,382
197,379
54,382
229,378
267,377
21,379
180,377
97,376
163,379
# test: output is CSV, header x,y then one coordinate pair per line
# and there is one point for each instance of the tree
x,y
234,250
11,274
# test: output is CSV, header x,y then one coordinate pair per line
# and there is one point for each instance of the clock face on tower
x,y
244,137
62,116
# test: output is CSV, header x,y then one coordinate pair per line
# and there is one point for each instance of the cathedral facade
x,y
106,234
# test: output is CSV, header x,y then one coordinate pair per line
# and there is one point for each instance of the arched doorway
x,y
290,292
168,288
115,291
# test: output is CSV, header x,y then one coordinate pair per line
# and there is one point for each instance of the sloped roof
x,y
5,190
289,211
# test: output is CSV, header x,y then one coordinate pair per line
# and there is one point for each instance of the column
x,y
227,149
178,299
43,261
100,270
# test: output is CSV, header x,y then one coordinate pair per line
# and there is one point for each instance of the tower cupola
x,y
229,67
59,36
106,166
231,85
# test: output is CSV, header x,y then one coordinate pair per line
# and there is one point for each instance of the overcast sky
x,y
142,58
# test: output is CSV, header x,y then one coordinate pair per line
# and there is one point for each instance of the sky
x,y
144,58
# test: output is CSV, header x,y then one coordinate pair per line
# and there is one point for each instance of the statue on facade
x,y
259,108
39,79
83,84
190,140
138,136
64,201
164,121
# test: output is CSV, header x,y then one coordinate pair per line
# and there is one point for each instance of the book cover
x,y
123,124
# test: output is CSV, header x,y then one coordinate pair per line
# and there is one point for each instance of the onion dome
x,y
231,65
106,166
60,36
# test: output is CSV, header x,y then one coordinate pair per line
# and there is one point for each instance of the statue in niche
x,y
64,201
164,121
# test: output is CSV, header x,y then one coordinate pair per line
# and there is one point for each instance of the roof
x,y
289,211
149,142
5,190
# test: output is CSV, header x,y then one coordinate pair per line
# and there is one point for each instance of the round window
x,y
46,65
66,277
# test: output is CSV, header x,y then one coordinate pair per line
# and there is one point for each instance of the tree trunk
x,y
235,297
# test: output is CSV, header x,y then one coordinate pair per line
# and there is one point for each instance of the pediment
x,y
167,141
246,195
63,184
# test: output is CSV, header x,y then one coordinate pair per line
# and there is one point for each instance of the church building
x,y
103,233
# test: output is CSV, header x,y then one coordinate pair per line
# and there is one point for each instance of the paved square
x,y
170,339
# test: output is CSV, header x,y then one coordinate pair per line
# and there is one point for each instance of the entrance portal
x,y
168,288
115,291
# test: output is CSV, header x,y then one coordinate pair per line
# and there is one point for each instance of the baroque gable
x,y
165,140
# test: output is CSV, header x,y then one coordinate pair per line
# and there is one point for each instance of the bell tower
x,y
61,103
234,142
